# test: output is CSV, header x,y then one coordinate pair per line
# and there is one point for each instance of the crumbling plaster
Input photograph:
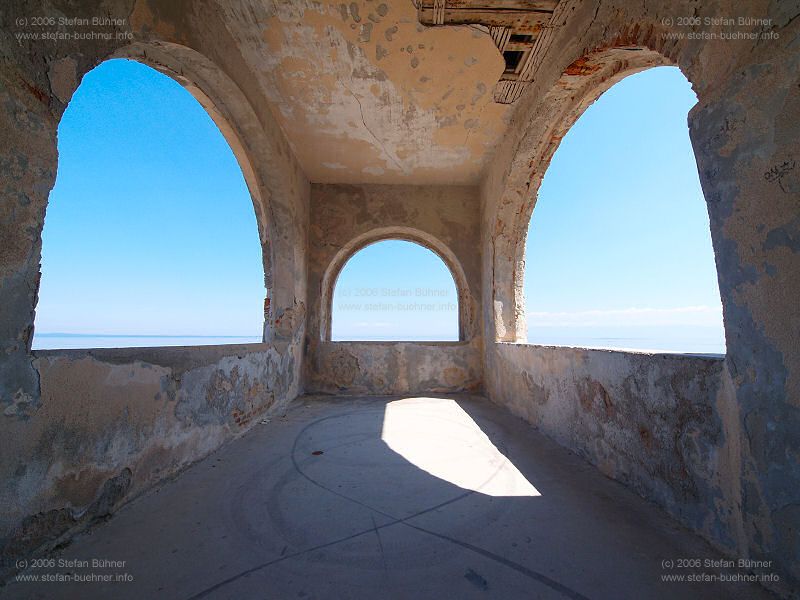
x,y
212,69
114,422
346,218
304,92
395,368
49,488
367,94
745,136
656,422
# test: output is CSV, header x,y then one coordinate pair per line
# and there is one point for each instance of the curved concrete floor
x,y
446,497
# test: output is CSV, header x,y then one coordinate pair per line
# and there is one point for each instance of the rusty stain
x,y
38,93
581,67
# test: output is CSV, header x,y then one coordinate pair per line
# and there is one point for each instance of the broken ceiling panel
x,y
369,91
517,28
366,93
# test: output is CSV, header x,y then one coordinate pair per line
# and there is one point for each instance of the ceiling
x,y
367,94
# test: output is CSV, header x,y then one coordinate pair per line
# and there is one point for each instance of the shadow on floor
x,y
434,497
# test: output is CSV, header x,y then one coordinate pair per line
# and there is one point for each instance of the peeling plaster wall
x,y
83,431
746,134
658,423
343,219
190,42
316,79
113,422
391,368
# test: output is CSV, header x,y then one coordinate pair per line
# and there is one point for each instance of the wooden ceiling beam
x,y
517,28
497,5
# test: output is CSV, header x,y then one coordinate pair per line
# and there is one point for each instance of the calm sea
x,y
687,339
680,339
64,341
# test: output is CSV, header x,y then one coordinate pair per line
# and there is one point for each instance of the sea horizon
x,y
672,339
76,341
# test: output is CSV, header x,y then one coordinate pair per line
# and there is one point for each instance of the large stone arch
x,y
35,89
466,310
746,141
587,79
277,192
581,84
237,121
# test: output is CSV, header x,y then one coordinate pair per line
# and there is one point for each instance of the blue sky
x,y
619,242
150,229
395,290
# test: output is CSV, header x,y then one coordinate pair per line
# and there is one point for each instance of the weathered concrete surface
x,y
268,74
664,424
56,461
424,498
344,219
655,422
114,422
366,94
391,368
747,143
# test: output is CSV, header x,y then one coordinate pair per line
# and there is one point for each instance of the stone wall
x,y
83,431
391,368
745,134
717,443
659,423
346,218
113,422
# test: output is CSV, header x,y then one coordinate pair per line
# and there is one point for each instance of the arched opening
x,y
395,290
150,237
618,253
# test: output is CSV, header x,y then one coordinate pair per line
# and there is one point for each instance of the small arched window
x,y
395,291
619,253
150,237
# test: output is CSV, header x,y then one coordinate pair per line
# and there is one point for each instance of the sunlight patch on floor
x,y
439,437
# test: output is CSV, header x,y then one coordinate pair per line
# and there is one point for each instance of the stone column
x,y
28,159
747,143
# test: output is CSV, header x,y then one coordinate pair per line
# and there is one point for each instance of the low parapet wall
x,y
388,368
663,424
113,422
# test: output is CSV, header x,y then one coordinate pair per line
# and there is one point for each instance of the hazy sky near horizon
x,y
620,233
150,228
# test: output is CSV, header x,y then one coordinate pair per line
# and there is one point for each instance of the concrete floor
x,y
414,498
